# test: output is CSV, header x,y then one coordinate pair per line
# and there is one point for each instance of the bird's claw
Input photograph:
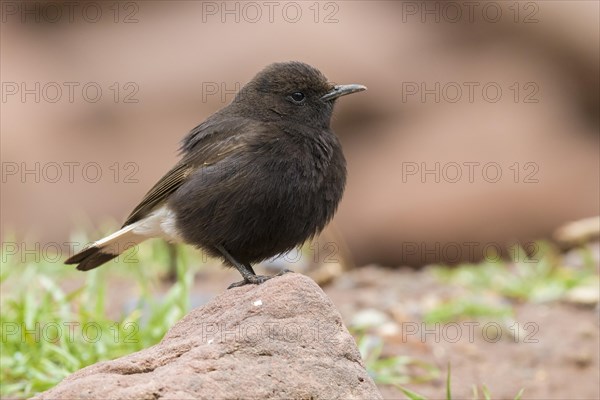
x,y
257,279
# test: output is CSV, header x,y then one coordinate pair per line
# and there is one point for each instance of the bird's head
x,y
293,91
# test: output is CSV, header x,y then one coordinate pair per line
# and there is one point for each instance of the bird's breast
x,y
263,202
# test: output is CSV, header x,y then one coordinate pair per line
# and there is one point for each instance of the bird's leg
x,y
246,271
172,274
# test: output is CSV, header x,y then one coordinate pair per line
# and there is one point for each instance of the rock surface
x,y
281,339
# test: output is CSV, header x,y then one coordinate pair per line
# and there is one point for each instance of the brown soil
x,y
556,355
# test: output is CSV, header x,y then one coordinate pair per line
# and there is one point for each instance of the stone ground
x,y
551,350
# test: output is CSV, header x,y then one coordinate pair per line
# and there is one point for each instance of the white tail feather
x,y
120,241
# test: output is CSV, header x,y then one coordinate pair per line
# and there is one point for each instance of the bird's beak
x,y
342,90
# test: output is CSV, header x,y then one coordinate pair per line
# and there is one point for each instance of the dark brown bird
x,y
256,179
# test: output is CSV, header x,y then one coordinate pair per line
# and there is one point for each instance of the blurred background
x,y
480,123
479,129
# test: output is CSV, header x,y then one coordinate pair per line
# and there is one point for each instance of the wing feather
x,y
159,192
205,145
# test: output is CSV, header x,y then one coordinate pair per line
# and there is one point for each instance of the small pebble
x,y
369,317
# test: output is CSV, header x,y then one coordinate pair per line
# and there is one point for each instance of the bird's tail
x,y
106,249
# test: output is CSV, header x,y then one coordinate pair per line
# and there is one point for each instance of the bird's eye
x,y
297,97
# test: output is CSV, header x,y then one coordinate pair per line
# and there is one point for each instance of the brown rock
x,y
282,339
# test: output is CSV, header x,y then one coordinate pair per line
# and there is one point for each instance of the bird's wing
x,y
160,192
210,143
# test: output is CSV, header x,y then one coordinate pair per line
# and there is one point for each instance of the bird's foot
x,y
256,279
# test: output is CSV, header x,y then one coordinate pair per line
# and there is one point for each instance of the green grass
x,y
471,308
490,289
48,333
401,370
392,370
411,395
